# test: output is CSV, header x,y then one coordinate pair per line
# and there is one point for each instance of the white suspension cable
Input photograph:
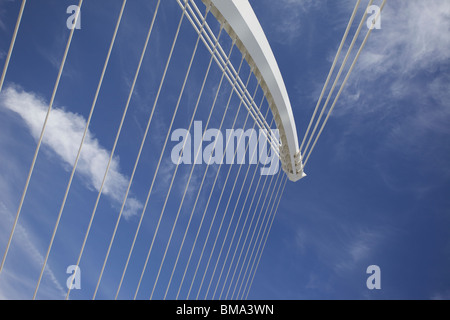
x,y
234,74
261,224
232,216
220,228
249,244
235,230
117,137
55,89
143,141
187,186
232,71
205,210
166,139
242,268
159,162
87,125
171,183
11,46
189,128
248,231
65,196
120,129
203,179
338,53
345,80
227,67
118,133
84,136
188,182
341,69
267,234
214,216
254,230
5,68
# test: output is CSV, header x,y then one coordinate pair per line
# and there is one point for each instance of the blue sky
x,y
378,180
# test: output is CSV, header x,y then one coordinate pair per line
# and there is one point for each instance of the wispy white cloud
x,y
359,246
401,82
412,41
293,12
445,295
356,244
3,13
18,283
63,136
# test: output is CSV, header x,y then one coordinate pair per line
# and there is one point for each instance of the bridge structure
x,y
209,222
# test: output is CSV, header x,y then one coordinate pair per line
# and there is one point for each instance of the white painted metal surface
x,y
242,24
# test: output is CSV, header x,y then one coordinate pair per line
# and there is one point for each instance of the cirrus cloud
x,y
63,135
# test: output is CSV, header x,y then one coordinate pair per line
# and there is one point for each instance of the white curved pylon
x,y
241,23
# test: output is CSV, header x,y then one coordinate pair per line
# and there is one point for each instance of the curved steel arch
x,y
241,23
